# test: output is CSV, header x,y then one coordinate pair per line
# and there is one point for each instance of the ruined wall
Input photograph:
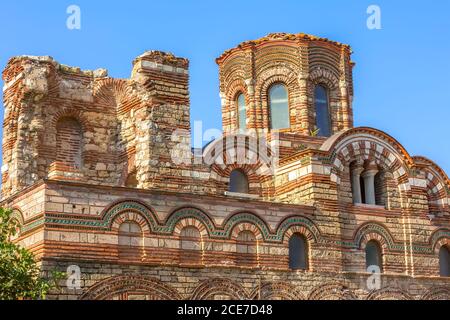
x,y
66,124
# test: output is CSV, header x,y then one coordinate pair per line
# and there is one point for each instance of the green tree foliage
x,y
20,276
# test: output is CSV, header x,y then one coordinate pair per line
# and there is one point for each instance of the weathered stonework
x,y
84,153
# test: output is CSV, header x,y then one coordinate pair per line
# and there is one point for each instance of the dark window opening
x,y
238,181
322,111
373,255
298,252
444,261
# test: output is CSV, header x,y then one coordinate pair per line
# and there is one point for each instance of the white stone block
x,y
292,175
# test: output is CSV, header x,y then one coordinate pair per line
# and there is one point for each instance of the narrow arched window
x,y
279,107
190,245
246,242
130,240
246,248
190,239
298,252
242,111
444,261
238,181
69,142
130,234
373,255
322,111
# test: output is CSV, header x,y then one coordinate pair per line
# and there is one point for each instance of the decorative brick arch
x,y
190,222
233,88
374,231
365,148
332,291
439,238
188,215
116,285
69,113
135,209
167,227
437,184
252,171
291,224
253,221
321,75
280,73
373,145
218,151
246,226
131,216
389,293
299,229
210,288
225,170
111,91
437,293
374,236
277,291
235,69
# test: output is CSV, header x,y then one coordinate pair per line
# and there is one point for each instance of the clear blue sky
x,y
402,83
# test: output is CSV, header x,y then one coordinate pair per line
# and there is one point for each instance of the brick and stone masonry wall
x,y
84,153
80,227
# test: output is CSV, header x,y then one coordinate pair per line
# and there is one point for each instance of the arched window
x,y
238,181
373,255
246,248
298,252
69,142
279,107
190,238
369,184
246,242
190,245
322,111
444,261
130,234
242,111
130,239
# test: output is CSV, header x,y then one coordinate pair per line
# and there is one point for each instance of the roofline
x,y
274,37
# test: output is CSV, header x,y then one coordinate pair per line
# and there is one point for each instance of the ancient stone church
x,y
292,202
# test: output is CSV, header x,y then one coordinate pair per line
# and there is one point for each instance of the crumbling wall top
x,y
35,60
163,58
